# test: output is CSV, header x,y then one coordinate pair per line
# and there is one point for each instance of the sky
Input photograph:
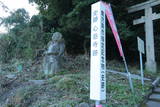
x,y
14,5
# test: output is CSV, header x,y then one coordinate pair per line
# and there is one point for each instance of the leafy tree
x,y
26,36
19,17
72,18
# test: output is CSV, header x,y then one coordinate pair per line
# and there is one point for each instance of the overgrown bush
x,y
76,63
25,36
5,47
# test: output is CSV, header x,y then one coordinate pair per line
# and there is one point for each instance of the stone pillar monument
x,y
53,55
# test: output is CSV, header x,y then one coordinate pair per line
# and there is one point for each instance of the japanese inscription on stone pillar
x,y
98,62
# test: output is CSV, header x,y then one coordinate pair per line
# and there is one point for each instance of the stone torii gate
x,y
149,34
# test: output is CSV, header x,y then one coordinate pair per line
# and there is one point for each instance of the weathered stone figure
x,y
53,55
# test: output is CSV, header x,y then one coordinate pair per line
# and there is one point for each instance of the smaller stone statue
x,y
53,55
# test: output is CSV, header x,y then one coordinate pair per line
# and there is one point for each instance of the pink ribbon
x,y
98,105
111,21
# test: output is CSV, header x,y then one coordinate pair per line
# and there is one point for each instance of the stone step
x,y
152,104
156,90
154,97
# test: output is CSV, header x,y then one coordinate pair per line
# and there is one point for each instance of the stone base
x,y
151,67
152,104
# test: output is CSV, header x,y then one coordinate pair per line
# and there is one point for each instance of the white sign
x,y
141,50
140,45
98,52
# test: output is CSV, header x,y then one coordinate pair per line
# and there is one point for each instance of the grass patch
x,y
76,89
22,97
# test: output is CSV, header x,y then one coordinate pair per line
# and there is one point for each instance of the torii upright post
x,y
148,20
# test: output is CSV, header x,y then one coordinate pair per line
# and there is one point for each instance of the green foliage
x,y
69,82
120,91
22,97
25,38
66,84
76,64
72,18
73,88
19,17
5,47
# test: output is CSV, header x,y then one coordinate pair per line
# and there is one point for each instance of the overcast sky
x,y
14,5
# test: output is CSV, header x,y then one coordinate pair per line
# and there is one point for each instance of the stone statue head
x,y
57,36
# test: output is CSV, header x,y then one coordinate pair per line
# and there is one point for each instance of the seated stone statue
x,y
53,55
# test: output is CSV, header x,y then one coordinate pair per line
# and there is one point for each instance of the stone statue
x,y
53,55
